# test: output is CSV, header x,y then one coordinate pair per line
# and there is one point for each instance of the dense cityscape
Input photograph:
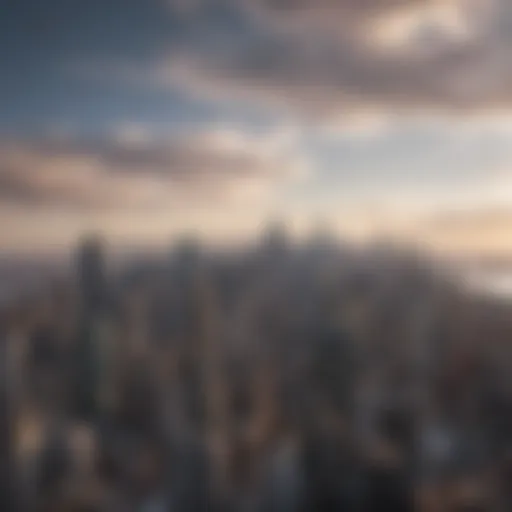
x,y
256,256
275,377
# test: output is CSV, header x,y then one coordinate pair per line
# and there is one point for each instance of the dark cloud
x,y
343,12
325,56
319,56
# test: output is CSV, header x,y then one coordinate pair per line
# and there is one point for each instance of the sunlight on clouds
x,y
447,20
469,231
360,123
74,180
212,167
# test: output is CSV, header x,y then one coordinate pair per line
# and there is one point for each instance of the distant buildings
x,y
196,375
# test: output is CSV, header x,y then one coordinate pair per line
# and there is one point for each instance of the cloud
x,y
133,169
327,56
468,231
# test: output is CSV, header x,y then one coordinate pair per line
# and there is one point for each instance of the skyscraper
x,y
91,275
91,346
6,424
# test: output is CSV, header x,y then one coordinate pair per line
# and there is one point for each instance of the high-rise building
x,y
91,275
6,425
93,338
275,240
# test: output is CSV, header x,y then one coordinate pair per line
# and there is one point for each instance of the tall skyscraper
x,y
6,424
91,347
275,240
91,275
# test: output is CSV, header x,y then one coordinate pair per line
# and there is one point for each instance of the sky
x,y
146,119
